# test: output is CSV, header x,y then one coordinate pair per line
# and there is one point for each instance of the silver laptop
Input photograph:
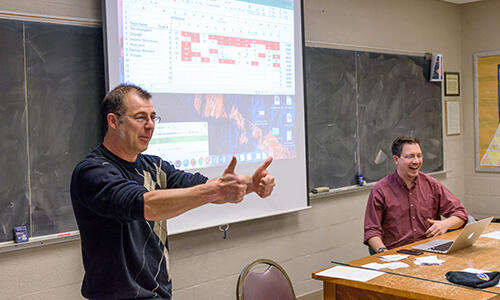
x,y
469,235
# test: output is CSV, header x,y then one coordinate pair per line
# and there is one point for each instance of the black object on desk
x,y
410,252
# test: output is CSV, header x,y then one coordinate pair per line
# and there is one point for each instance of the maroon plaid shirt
x,y
398,215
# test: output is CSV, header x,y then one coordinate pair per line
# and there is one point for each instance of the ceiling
x,y
461,1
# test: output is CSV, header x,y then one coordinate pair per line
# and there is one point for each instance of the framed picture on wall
x,y
452,108
451,84
487,110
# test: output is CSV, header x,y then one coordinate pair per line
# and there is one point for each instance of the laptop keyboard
x,y
442,247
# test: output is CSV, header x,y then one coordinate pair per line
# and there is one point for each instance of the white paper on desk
x,y
477,271
390,265
393,257
350,273
492,235
375,266
428,260
396,265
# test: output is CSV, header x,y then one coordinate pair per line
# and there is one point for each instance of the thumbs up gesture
x,y
262,181
231,187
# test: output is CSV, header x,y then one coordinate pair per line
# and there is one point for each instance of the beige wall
x,y
204,265
77,9
480,25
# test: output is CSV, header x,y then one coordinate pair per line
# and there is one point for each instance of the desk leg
x,y
329,290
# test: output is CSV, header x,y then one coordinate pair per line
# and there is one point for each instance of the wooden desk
x,y
484,254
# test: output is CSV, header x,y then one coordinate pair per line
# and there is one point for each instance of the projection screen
x,y
227,79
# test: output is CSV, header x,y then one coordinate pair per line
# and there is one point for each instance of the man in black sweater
x,y
122,199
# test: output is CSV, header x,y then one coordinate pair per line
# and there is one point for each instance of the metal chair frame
x,y
248,268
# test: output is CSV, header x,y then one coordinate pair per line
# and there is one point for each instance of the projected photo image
x,y
213,128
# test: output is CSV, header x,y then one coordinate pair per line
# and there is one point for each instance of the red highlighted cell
x,y
227,61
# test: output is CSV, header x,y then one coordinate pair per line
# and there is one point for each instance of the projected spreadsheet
x,y
222,46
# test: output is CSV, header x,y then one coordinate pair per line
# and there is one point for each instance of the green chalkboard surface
x,y
52,81
357,104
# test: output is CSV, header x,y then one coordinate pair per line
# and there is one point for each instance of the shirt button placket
x,y
412,214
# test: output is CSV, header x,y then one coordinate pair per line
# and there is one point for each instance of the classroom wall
x,y
88,9
480,24
204,265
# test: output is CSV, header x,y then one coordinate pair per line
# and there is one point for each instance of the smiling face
x,y
409,162
137,124
130,131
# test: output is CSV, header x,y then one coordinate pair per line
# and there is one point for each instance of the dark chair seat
x,y
271,284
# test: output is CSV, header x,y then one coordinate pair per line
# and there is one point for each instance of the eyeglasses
x,y
143,119
412,156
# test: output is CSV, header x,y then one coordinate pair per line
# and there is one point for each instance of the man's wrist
x,y
249,182
381,249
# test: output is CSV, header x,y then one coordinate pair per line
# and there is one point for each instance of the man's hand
x,y
163,204
262,182
437,228
440,227
231,187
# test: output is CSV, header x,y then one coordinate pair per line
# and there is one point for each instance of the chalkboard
x,y
357,104
52,82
